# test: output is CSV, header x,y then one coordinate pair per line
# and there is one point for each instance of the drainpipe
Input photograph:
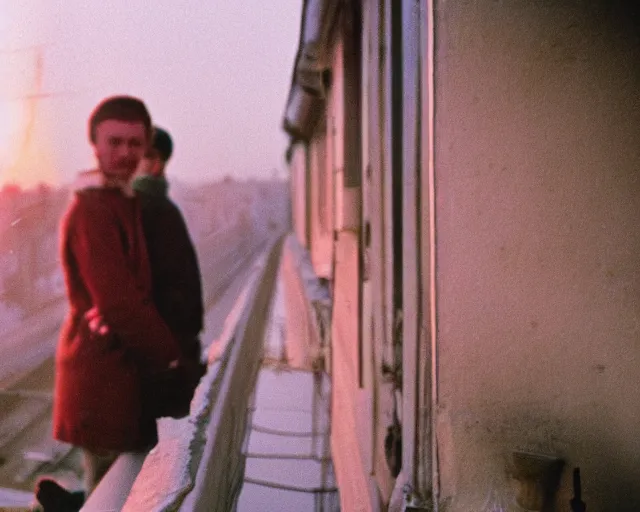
x,y
318,22
306,100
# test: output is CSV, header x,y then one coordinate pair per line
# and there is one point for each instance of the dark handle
x,y
577,505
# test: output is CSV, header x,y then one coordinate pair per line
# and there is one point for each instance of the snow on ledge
x,y
315,291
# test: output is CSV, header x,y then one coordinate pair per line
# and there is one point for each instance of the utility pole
x,y
29,221
32,98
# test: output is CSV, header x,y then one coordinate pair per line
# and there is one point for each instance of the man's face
x,y
119,146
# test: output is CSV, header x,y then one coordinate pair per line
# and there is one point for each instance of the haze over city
x,y
216,74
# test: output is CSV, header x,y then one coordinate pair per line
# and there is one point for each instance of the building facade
x,y
465,174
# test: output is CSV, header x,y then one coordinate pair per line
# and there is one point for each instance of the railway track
x,y
27,450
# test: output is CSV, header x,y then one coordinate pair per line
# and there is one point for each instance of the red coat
x,y
98,402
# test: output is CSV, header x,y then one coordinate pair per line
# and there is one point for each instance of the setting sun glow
x,y
21,161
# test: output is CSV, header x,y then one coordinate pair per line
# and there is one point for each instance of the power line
x,y
24,49
43,95
39,49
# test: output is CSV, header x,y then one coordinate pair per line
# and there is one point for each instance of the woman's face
x,y
150,164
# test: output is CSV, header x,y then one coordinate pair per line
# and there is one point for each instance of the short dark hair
x,y
162,143
120,108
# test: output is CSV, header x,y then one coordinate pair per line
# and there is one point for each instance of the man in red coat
x,y
98,400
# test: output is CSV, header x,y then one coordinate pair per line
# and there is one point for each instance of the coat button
x,y
146,301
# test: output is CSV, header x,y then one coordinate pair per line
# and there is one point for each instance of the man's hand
x,y
96,322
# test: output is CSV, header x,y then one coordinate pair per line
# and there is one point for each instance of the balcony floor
x,y
288,459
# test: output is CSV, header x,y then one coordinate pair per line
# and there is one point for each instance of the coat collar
x,y
93,178
156,186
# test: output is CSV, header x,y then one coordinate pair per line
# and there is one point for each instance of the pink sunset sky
x,y
214,73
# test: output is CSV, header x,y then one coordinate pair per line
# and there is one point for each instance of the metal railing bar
x,y
293,488
284,433
283,456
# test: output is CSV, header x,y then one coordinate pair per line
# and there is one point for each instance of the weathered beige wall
x,y
537,158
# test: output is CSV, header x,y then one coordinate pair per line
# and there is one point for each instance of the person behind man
x,y
98,396
177,286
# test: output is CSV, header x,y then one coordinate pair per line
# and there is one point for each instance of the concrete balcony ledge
x,y
177,473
